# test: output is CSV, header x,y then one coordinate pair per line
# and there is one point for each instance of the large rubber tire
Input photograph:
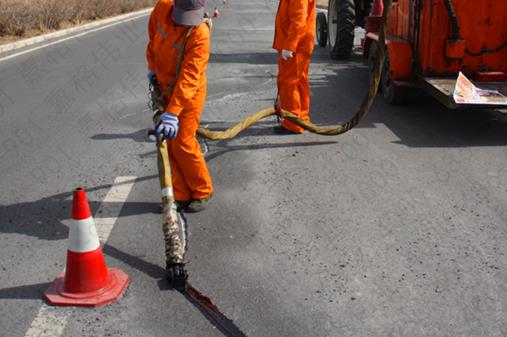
x,y
322,29
392,93
341,25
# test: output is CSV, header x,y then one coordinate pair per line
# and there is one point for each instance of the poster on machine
x,y
467,93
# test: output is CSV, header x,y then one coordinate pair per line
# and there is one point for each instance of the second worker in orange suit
x,y
169,27
294,41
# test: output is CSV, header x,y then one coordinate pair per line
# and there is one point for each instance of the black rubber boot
x,y
181,205
198,205
177,275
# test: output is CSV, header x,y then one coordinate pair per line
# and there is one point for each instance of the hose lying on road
x,y
174,226
307,125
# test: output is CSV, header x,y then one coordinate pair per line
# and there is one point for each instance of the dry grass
x,y
23,18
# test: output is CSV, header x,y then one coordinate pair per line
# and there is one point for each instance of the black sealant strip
x,y
211,312
201,302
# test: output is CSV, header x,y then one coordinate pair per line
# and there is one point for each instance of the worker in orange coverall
x,y
294,40
168,27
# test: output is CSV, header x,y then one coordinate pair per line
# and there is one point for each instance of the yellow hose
x,y
307,125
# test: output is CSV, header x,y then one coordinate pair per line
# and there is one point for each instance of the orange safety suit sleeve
x,y
150,54
197,53
298,13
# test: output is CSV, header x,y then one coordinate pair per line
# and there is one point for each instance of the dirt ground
x,y
23,18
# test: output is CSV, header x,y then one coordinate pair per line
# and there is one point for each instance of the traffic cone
x,y
86,282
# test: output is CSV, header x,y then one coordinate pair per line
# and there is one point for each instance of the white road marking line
x,y
70,38
111,206
104,228
51,321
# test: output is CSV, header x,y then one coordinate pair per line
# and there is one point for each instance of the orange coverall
x,y
295,32
191,178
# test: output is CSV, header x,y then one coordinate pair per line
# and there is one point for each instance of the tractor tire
x,y
341,25
322,29
393,94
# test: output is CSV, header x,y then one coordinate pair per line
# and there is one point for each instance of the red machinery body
x,y
435,39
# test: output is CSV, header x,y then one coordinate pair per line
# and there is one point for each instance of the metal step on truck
x,y
456,50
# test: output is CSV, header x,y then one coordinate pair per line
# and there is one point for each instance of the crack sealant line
x,y
51,321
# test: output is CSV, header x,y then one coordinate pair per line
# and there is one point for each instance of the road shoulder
x,y
9,48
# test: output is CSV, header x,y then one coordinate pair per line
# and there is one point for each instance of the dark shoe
x,y
181,205
197,205
177,275
280,130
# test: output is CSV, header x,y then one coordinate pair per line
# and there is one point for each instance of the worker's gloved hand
x,y
287,54
151,75
168,126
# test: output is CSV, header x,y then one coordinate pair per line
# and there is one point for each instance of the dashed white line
x,y
48,323
111,206
51,321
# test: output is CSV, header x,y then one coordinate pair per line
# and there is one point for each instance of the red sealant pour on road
x,y
211,312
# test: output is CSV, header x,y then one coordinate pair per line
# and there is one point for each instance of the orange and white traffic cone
x,y
86,282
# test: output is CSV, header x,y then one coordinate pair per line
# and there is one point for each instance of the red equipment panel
x,y
483,30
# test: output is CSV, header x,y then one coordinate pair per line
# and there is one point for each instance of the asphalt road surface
x,y
398,228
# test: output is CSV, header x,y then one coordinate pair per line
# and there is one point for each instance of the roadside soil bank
x,y
21,19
